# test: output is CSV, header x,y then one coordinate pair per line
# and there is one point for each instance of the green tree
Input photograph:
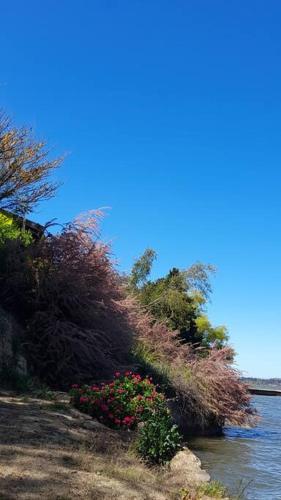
x,y
142,269
179,299
9,230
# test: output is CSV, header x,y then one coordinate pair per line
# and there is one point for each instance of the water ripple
x,y
250,456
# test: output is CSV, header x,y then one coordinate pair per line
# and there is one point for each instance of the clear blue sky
x,y
170,113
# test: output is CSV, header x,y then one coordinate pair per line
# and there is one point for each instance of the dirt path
x,y
50,451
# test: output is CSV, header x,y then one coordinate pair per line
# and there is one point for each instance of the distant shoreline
x,y
269,384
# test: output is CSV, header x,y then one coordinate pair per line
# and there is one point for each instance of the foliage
x,y
64,290
209,335
142,268
42,391
122,403
126,402
207,388
80,322
213,489
159,438
198,372
197,277
24,169
9,230
178,299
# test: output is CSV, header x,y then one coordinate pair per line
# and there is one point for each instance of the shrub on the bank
x,y
126,402
65,292
207,388
122,403
213,489
159,438
9,230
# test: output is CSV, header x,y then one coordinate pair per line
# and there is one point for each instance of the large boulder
x,y
186,468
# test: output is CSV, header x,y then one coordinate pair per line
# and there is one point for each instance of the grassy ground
x,y
49,450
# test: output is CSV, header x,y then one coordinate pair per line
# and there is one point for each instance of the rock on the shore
x,y
186,468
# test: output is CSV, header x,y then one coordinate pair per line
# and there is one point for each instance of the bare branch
x,y
25,169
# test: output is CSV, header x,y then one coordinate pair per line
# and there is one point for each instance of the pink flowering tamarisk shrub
x,y
223,394
206,388
66,294
121,403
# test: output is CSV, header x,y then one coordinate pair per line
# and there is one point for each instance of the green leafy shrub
x,y
126,402
159,438
122,403
9,230
214,489
178,299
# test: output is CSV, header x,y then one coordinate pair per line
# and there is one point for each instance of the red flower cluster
x,y
121,403
128,421
83,400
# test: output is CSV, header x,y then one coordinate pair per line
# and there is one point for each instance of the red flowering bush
x,y
122,403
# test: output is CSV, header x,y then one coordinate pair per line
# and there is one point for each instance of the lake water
x,y
248,458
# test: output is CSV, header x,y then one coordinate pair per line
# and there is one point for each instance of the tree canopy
x,y
9,230
178,299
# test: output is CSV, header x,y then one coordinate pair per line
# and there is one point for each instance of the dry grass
x,y
50,451
208,388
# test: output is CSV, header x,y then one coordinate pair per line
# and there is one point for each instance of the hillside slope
x,y
49,450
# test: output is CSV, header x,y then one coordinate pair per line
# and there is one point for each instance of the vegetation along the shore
x,y
75,321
